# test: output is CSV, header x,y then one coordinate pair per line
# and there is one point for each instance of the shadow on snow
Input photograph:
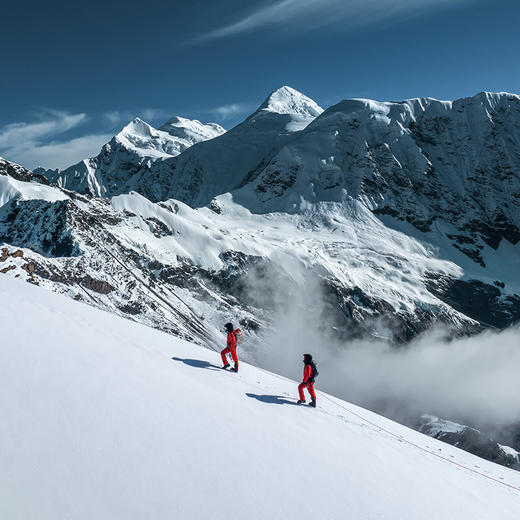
x,y
197,363
271,399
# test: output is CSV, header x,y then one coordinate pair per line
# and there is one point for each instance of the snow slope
x,y
104,418
12,189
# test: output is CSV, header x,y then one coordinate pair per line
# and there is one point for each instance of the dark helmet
x,y
229,327
307,358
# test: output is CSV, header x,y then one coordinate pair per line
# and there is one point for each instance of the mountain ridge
x,y
382,220
136,146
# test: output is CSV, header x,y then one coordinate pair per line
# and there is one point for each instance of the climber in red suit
x,y
230,348
309,373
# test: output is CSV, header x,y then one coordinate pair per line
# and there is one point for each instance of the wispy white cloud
x,y
225,112
150,115
44,143
155,114
310,14
116,117
59,154
50,123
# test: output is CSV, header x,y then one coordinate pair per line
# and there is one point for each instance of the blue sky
x,y
74,73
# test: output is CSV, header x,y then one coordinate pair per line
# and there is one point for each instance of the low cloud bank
x,y
473,380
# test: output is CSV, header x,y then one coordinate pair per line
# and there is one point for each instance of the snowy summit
x,y
287,100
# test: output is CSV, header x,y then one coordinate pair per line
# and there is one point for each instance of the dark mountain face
x,y
20,173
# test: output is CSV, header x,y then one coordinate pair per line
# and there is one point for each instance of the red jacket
x,y
307,373
232,340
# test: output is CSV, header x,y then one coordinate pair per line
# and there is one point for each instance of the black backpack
x,y
314,371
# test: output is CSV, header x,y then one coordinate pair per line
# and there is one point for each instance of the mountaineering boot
x,y
226,366
313,403
301,401
234,369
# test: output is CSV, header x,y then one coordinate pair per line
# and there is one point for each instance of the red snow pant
x,y
310,388
233,351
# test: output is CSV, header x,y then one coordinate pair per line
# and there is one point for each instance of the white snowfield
x,y
18,190
103,418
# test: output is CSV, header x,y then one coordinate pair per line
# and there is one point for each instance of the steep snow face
x,y
96,406
391,150
136,147
447,172
11,190
233,159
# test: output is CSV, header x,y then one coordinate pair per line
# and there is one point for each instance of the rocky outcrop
x,y
42,226
20,173
485,303
14,261
469,439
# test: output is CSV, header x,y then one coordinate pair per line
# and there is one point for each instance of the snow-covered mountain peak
x,y
138,127
138,135
414,107
287,100
191,129
142,139
137,145
172,138
482,106
488,100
